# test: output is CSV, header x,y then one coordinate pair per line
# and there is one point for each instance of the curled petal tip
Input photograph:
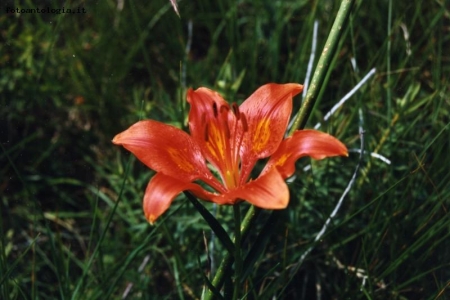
x,y
151,219
297,87
343,150
116,139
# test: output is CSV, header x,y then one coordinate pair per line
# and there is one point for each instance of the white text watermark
x,y
46,10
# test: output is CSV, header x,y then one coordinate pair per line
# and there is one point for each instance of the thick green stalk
x,y
322,67
237,251
228,260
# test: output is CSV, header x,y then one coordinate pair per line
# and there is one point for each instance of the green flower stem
x,y
237,250
228,260
322,66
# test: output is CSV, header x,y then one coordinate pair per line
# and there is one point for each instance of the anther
x,y
215,109
244,122
236,111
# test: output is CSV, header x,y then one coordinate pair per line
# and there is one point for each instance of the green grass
x,y
72,225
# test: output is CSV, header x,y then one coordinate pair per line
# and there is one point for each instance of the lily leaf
x,y
211,287
260,244
213,223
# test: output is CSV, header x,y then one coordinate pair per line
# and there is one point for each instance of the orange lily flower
x,y
231,139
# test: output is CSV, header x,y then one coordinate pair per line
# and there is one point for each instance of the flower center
x,y
223,133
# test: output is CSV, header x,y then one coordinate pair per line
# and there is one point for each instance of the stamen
x,y
227,129
223,111
236,111
244,122
215,109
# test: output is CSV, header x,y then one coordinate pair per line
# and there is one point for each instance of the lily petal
x,y
162,189
313,143
165,149
269,191
214,127
267,112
